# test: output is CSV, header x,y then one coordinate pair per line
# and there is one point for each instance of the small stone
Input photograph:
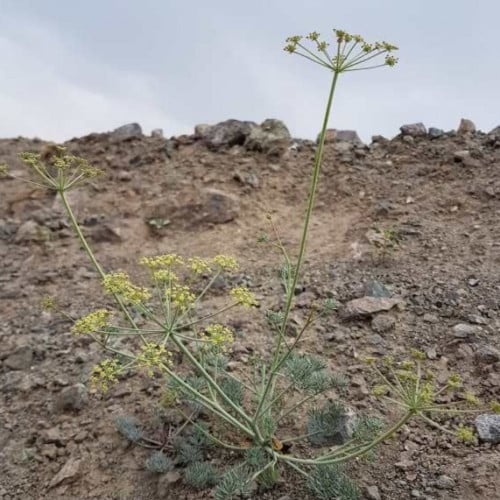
x,y
466,127
271,137
124,176
445,482
488,428
434,133
68,473
430,318
348,136
413,130
104,233
405,464
466,331
157,133
49,451
487,355
383,323
372,493
20,359
461,156
72,398
128,131
31,231
367,306
376,289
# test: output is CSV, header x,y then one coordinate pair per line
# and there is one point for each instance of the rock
x,y
434,133
219,207
224,134
487,355
462,155
488,428
73,397
342,431
69,472
383,323
372,493
128,131
466,331
31,231
346,136
104,233
466,127
430,318
157,133
495,131
413,130
367,306
271,137
20,359
445,482
165,482
376,289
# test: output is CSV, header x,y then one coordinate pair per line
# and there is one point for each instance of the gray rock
x,y
367,306
413,130
383,323
346,136
487,355
271,137
128,131
376,289
31,231
372,493
68,473
466,127
157,133
20,359
225,134
341,433
219,207
430,318
74,397
445,482
466,331
462,155
488,428
495,131
201,130
435,133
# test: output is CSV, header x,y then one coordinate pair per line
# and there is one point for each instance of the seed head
x,y
243,296
225,263
119,283
105,374
152,356
219,336
92,322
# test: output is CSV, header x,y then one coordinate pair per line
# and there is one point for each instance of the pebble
x,y
20,359
372,493
73,397
466,331
445,482
383,323
488,428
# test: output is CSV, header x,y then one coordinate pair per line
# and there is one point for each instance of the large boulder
x,y
466,127
126,132
333,135
413,129
224,134
271,136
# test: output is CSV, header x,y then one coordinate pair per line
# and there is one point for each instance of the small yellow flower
x,y
105,374
407,364
90,172
380,390
181,296
199,266
153,356
418,355
219,336
454,381
225,263
161,261
165,276
97,320
48,303
388,361
3,169
465,434
369,360
119,283
471,398
427,394
495,407
243,296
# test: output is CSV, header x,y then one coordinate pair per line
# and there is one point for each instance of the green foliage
x,y
234,390
329,482
201,475
129,427
235,483
159,463
327,425
187,451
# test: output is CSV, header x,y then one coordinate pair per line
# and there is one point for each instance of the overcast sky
x,y
71,67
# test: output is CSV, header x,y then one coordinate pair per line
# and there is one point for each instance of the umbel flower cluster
x,y
352,52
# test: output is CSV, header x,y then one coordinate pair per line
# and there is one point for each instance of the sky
x,y
69,68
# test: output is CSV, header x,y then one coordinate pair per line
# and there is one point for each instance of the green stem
x,y
311,199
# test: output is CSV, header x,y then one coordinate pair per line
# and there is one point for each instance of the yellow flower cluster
x,y
165,276
465,434
225,263
454,381
119,283
48,303
243,296
181,296
92,322
105,374
219,336
153,356
198,265
3,169
161,261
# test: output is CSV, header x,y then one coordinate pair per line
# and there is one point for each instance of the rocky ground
x,y
210,193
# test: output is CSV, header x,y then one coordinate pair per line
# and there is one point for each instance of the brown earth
x,y
445,206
